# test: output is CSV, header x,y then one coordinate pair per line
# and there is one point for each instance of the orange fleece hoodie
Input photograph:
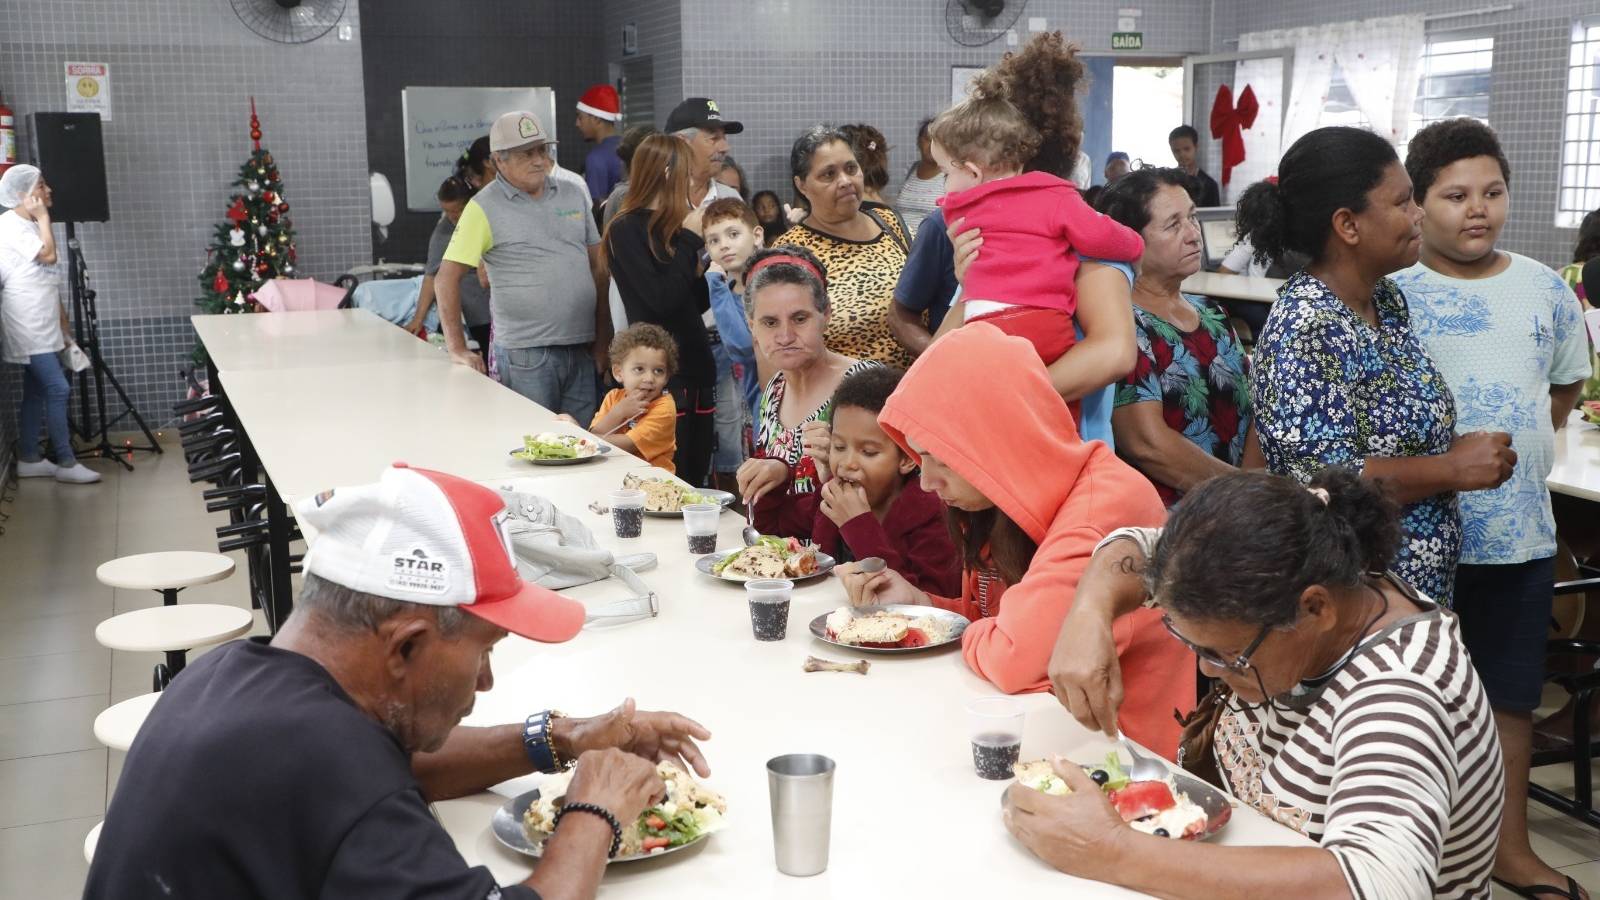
x,y
982,403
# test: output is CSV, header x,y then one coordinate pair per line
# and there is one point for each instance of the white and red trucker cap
x,y
426,537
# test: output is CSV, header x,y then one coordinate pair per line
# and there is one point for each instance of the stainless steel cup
x,y
801,788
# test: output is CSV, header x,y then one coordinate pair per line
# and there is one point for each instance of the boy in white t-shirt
x,y
1508,336
34,326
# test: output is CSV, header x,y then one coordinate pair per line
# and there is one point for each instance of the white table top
x,y
904,791
1233,287
1576,472
181,627
318,428
289,340
164,570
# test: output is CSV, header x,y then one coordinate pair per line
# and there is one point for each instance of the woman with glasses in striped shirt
x,y
1347,709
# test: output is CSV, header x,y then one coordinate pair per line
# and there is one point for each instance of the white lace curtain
x,y
1381,61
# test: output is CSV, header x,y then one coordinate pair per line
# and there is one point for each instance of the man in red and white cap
x,y
599,110
303,767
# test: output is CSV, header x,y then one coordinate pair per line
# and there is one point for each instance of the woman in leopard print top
x,y
863,245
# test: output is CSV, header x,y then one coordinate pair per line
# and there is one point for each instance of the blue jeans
x,y
45,390
560,379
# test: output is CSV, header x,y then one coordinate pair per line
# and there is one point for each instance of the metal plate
x,y
507,828
825,564
721,498
958,622
604,449
1218,808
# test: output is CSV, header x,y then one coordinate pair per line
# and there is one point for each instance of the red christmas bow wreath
x,y
1227,123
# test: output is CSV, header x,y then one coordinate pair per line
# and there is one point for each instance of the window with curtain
x,y
1453,82
1580,137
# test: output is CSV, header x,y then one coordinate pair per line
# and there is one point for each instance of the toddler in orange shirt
x,y
640,416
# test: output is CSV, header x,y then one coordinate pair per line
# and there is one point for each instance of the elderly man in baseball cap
x,y
534,230
699,121
303,767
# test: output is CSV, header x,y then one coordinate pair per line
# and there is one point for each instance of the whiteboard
x,y
441,122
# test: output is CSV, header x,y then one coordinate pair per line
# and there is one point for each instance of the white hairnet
x,y
17,184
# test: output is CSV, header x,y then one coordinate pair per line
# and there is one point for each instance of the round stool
x,y
116,726
173,630
166,573
90,842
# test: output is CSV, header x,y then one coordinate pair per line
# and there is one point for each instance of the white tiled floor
x,y
55,779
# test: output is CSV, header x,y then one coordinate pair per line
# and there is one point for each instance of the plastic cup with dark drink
x,y
700,524
996,729
627,513
769,607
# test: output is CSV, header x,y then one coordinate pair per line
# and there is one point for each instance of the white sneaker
x,y
43,468
78,473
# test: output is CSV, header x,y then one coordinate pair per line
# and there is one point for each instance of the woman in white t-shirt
x,y
33,326
924,184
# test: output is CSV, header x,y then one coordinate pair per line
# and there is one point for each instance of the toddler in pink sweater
x,y
1034,224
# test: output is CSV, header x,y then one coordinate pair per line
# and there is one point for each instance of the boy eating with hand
x,y
640,416
871,502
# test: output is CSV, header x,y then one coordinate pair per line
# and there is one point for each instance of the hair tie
x,y
872,145
1320,494
789,259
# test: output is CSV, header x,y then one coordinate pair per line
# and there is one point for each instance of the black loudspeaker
x,y
67,148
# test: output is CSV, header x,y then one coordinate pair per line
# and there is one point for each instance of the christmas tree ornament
x,y
283,208
238,265
269,197
236,212
238,298
255,125
236,237
262,230
288,269
263,269
283,239
220,283
254,186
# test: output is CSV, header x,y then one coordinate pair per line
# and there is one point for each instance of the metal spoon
x,y
1144,768
869,566
750,534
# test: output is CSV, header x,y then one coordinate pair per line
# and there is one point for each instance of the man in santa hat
x,y
598,113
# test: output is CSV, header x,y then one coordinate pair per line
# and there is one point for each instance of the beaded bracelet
x,y
602,812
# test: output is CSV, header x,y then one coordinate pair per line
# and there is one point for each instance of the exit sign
x,y
1127,40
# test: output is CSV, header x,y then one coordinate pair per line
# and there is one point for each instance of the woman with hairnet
x,y
33,326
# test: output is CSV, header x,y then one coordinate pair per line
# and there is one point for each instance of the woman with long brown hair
x,y
653,248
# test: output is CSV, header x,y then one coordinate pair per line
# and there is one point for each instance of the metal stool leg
x,y
169,596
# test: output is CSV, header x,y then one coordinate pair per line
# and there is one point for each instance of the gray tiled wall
x,y
1528,92
182,75
660,29
485,43
778,66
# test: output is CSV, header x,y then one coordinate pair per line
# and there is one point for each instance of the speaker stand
x,y
94,430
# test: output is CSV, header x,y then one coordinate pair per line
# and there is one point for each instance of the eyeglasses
x,y
1211,657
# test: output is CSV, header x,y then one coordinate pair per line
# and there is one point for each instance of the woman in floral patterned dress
x,y
1183,414
1341,379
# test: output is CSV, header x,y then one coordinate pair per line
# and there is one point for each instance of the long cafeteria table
x,y
313,339
910,817
1233,287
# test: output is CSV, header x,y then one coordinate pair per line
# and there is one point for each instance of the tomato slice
x,y
915,637
655,843
655,822
1142,798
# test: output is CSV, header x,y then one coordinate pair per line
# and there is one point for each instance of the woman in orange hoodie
x,y
1030,501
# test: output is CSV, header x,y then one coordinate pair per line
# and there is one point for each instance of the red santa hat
x,y
601,102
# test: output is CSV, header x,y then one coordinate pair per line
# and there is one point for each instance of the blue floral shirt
x,y
1501,342
1331,390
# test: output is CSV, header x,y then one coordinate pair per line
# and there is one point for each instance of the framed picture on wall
x,y
961,81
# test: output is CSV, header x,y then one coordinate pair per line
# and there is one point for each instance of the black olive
x,y
1099,776
1161,832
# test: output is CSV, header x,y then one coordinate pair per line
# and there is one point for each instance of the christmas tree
x,y
256,242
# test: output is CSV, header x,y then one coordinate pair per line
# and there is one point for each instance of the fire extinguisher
x,y
8,138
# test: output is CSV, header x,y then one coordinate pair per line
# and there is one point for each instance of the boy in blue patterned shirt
x,y
1508,336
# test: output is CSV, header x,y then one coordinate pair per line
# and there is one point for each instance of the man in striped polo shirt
x,y
541,246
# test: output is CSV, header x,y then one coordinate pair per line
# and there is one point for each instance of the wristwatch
x,y
537,743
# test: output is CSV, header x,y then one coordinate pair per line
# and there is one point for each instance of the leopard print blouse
x,y
861,280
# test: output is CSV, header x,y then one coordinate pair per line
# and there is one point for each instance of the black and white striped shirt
x,y
1393,766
